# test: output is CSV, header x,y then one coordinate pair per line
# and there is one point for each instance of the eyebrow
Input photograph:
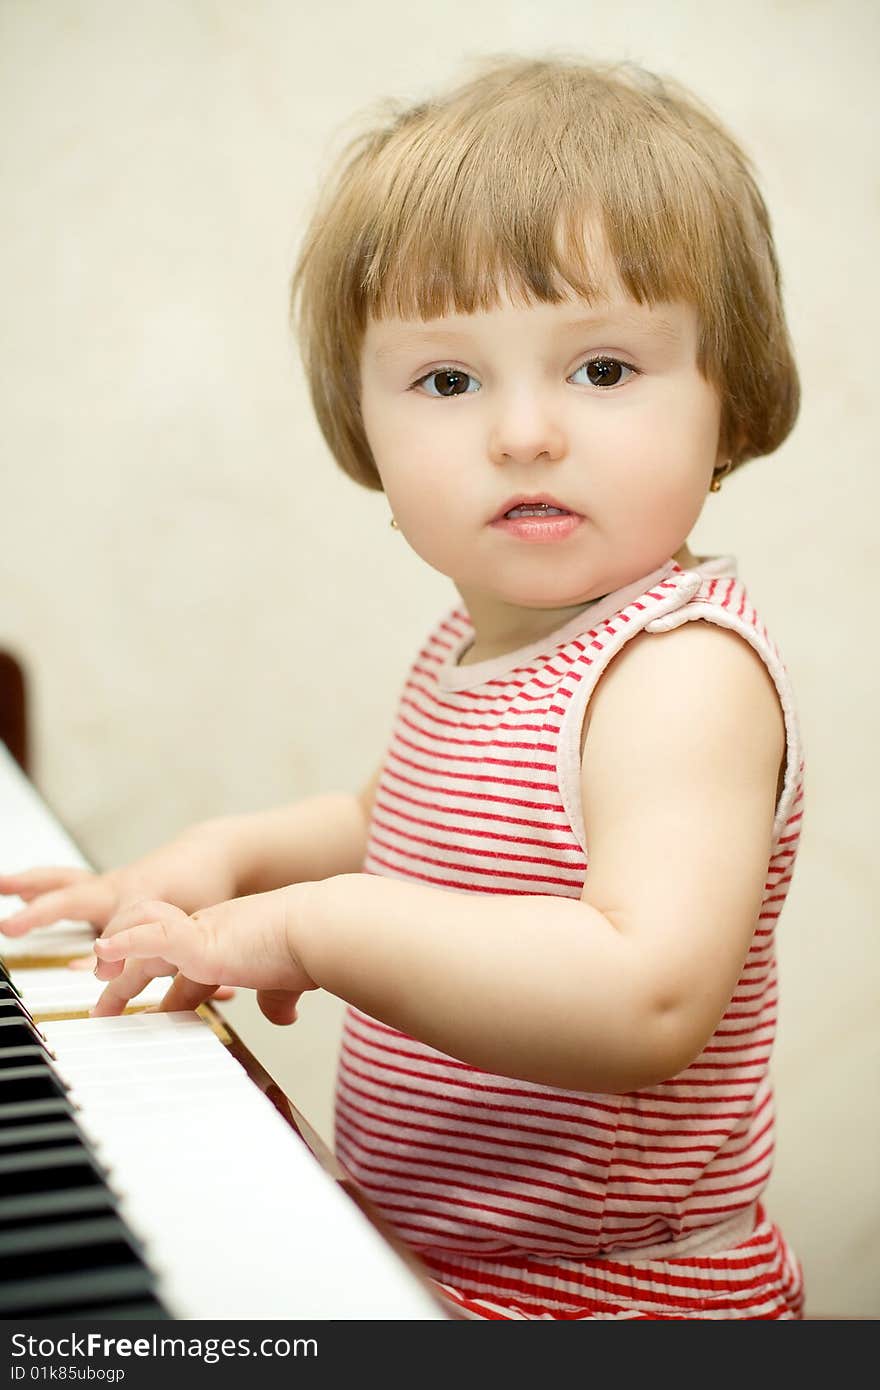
x,y
656,326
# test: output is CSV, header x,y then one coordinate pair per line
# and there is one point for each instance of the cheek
x,y
425,468
702,424
672,448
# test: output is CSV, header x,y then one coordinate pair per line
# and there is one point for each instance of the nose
x,y
525,428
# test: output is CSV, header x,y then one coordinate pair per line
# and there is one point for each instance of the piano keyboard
x,y
62,993
66,1248
143,1174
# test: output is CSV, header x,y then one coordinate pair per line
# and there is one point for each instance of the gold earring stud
x,y
394,525
722,472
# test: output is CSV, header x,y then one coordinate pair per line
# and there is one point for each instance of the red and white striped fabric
x,y
524,1200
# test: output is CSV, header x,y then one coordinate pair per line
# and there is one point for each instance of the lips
x,y
541,504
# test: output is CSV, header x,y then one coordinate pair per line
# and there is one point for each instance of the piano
x,y
149,1167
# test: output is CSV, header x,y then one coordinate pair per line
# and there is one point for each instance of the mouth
x,y
536,519
542,507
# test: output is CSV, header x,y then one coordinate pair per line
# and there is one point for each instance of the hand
x,y
89,962
190,872
59,892
247,941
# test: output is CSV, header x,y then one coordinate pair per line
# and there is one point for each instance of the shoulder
x,y
700,677
685,742
679,781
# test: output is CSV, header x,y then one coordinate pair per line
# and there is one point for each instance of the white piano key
x,y
58,990
239,1222
61,940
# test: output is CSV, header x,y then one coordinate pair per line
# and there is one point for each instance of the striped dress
x,y
525,1200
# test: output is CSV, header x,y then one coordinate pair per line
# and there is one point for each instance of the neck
x,y
684,557
501,627
511,627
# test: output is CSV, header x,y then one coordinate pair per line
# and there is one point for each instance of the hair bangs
x,y
546,180
527,212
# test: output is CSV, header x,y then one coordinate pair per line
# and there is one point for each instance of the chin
x,y
548,596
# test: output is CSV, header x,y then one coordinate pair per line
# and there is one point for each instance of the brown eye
x,y
603,371
449,382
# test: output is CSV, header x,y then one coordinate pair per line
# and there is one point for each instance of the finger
x,y
138,942
108,969
187,943
90,901
83,962
278,1005
151,964
224,992
26,883
128,985
160,948
146,910
186,994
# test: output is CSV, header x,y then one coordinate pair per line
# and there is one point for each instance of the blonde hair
x,y
442,203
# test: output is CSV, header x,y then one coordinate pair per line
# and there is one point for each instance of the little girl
x,y
543,314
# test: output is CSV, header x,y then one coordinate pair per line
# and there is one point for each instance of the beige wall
x,y
182,567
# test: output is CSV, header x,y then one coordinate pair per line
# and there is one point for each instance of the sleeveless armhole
x,y
569,750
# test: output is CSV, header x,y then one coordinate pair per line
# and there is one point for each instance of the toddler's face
x,y
466,414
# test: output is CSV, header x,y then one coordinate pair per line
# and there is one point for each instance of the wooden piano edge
x,y
313,1141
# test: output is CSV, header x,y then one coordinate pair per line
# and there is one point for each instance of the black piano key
x,y
52,1213
49,1135
141,1311
29,1054
69,1202
15,1031
24,1110
101,1242
65,1266
11,1002
57,1295
15,1011
67,1250
48,1170
29,1083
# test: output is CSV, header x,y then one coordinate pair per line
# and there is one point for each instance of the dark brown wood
x,y
13,708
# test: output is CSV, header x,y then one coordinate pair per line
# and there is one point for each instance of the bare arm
x,y
315,838
209,862
612,993
624,988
